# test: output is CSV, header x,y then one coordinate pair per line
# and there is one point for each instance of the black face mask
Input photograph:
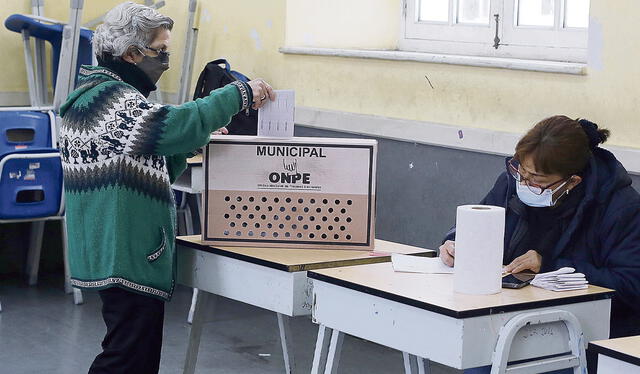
x,y
153,67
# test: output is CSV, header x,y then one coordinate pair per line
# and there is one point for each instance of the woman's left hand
x,y
221,131
528,261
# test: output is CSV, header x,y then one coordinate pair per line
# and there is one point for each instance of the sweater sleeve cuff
x,y
246,97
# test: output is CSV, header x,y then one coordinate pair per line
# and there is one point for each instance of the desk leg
x,y
199,209
414,364
188,220
335,348
77,297
424,366
33,255
322,347
204,303
192,308
407,359
65,256
287,344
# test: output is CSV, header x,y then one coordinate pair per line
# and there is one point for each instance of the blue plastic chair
x,y
25,129
30,167
31,188
53,34
30,184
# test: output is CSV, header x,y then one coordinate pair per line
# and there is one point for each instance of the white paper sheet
x,y
563,279
276,118
552,274
417,264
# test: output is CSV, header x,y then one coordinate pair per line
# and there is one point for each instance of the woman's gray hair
x,y
127,25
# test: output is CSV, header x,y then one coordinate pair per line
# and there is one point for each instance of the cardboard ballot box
x,y
290,192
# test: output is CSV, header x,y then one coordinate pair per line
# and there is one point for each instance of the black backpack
x,y
214,76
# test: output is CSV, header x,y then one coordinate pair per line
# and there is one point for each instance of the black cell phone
x,y
518,280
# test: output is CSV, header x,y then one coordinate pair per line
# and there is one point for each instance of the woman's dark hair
x,y
560,145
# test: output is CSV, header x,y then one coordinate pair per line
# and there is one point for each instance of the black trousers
x,y
134,333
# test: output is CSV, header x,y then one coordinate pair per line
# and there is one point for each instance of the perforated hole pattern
x,y
340,219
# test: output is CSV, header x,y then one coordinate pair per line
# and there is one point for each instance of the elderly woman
x,y
570,203
120,155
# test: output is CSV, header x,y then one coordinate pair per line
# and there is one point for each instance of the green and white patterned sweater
x,y
120,154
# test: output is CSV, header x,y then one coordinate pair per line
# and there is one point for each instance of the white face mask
x,y
534,200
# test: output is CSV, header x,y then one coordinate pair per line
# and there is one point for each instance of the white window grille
x,y
530,29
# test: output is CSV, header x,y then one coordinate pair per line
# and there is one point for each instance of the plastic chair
x,y
31,181
23,129
30,184
30,169
40,200
36,27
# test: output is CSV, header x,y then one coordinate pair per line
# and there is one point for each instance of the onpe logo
x,y
290,175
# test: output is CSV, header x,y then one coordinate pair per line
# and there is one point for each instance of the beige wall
x,y
12,75
488,98
359,24
249,33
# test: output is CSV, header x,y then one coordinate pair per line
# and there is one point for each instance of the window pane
x,y
535,13
473,11
577,13
434,10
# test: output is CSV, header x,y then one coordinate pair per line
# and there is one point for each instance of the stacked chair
x,y
30,169
31,178
31,185
51,31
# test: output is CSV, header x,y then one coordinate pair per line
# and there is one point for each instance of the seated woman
x,y
570,203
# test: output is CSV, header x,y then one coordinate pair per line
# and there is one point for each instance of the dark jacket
x,y
601,239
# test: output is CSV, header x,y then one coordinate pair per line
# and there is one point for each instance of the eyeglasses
x,y
513,167
159,51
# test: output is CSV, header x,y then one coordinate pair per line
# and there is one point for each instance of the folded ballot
x,y
563,279
418,264
276,118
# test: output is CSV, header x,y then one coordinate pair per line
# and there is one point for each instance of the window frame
x,y
557,43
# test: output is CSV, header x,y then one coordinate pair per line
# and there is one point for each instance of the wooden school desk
x,y
616,356
420,315
270,278
192,180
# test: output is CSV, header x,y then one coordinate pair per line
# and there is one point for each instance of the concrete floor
x,y
41,331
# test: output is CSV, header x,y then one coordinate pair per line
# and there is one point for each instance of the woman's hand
x,y
261,92
221,131
528,261
448,252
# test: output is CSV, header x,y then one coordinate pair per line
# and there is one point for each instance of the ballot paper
x,y
418,264
276,118
563,279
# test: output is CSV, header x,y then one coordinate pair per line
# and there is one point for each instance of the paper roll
x,y
479,249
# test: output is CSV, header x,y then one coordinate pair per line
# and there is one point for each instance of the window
x,y
530,29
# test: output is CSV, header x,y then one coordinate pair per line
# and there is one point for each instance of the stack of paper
x,y
417,264
563,279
